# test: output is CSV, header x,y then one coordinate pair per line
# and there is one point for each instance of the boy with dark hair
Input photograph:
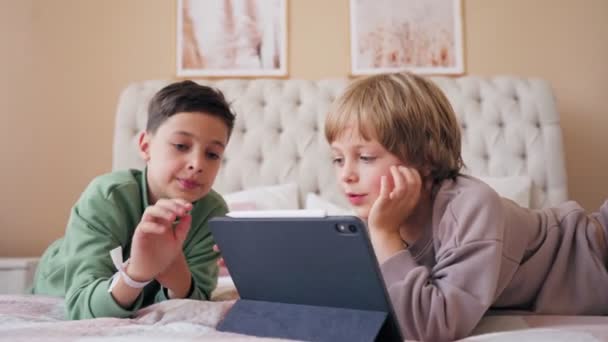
x,y
156,217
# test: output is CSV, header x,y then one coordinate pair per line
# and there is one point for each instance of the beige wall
x,y
64,62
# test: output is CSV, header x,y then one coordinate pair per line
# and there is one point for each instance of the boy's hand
x,y
392,208
177,278
156,241
220,261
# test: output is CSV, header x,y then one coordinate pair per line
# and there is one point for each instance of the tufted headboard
x,y
510,127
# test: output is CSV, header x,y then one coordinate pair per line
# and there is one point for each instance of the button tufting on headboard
x,y
510,127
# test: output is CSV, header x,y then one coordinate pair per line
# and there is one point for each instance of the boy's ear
x,y
144,145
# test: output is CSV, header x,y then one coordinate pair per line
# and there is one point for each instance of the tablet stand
x,y
302,322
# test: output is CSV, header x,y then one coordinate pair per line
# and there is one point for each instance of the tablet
x,y
323,261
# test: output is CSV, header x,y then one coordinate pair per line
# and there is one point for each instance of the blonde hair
x,y
408,115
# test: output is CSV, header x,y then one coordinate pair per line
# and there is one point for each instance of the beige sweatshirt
x,y
482,251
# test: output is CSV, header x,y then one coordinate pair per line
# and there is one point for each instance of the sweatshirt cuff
x,y
193,293
103,303
197,293
397,267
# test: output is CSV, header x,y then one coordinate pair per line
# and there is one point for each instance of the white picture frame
x,y
225,38
421,36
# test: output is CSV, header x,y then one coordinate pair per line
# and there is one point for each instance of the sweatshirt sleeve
x,y
95,227
447,301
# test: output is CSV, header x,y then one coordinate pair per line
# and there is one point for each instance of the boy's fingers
x,y
152,228
182,203
178,208
182,228
220,261
413,183
172,210
384,193
158,214
187,205
412,178
399,182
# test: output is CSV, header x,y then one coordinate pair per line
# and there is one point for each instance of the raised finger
x,y
159,214
152,228
182,228
183,203
384,191
412,178
399,181
178,208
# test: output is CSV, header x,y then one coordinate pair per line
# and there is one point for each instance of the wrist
x,y
177,278
124,294
183,290
135,273
384,234
387,244
128,287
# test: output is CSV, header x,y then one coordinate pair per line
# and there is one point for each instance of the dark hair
x,y
188,96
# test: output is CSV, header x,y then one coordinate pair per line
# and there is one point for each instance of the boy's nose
x,y
194,168
349,175
196,165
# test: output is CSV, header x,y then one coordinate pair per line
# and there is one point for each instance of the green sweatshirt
x,y
78,266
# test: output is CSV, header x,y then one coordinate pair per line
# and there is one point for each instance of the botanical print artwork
x,y
231,38
423,36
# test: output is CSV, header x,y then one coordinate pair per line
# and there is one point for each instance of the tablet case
x,y
313,279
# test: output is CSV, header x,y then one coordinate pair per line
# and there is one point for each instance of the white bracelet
x,y
116,255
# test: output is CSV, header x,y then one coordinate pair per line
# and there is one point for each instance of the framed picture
x,y
422,36
231,38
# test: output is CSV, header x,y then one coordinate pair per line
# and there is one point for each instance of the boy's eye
x,y
367,159
213,156
181,147
337,161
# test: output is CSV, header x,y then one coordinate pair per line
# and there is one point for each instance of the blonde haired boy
x,y
450,247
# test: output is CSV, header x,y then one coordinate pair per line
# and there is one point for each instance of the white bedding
x,y
30,318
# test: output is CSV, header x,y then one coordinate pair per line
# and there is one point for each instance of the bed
x,y
277,159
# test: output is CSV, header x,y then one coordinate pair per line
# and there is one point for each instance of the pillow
x,y
314,201
240,206
515,188
276,197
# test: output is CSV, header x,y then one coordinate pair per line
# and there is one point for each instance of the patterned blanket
x,y
40,318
